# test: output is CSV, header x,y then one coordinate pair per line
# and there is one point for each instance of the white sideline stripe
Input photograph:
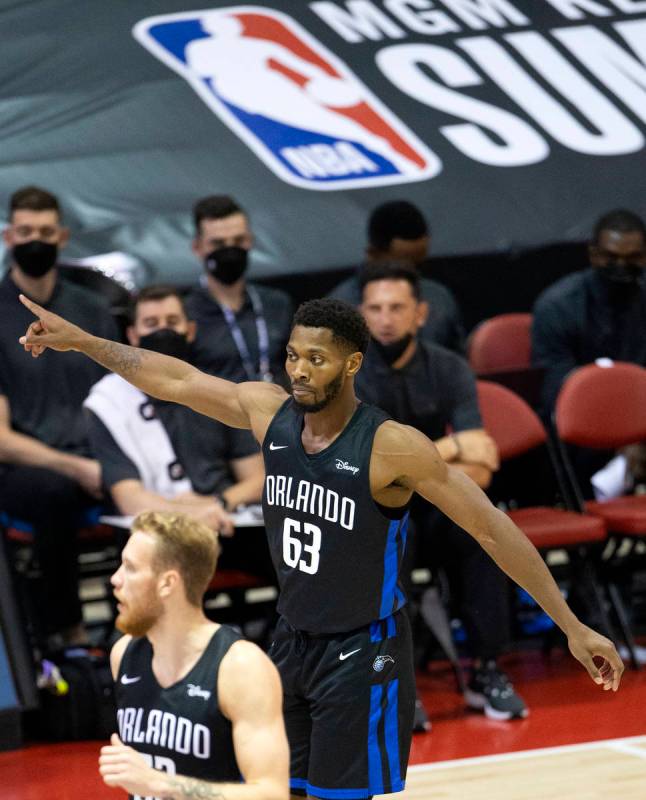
x,y
628,749
621,745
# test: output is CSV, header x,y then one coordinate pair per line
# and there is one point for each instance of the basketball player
x,y
197,705
339,479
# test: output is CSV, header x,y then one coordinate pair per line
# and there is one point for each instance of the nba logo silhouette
x,y
301,110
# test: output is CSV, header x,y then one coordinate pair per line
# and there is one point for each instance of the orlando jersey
x,y
180,729
336,554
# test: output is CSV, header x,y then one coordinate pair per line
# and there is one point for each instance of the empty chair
x,y
501,343
604,407
517,430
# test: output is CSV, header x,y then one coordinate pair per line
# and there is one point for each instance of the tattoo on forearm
x,y
193,788
119,358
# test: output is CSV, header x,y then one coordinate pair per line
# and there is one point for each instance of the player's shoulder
x,y
116,654
396,437
245,668
261,396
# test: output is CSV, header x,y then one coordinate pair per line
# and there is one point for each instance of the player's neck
x,y
323,427
231,295
178,640
38,289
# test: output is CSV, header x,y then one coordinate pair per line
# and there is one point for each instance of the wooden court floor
x,y
615,768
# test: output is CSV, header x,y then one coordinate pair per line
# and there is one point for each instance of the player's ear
x,y
133,336
168,582
353,363
191,331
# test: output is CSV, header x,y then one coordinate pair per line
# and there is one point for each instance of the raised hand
x,y
49,330
586,645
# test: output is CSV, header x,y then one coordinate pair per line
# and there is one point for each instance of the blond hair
x,y
184,544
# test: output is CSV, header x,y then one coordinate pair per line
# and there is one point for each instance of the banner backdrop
x,y
511,123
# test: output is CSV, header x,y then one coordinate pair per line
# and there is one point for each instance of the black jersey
x,y
180,729
336,554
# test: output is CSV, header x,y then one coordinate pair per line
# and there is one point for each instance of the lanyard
x,y
263,372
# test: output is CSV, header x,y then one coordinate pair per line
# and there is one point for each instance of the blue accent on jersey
x,y
392,598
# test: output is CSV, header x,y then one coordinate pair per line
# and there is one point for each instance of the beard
x,y
330,391
137,622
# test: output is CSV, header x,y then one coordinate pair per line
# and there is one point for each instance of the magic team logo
x,y
301,110
381,661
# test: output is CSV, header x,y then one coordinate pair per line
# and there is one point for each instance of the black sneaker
x,y
421,722
490,690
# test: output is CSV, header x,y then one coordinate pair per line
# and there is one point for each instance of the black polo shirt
x,y
203,446
434,390
215,350
46,394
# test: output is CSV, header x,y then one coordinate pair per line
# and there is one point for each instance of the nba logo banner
x,y
301,110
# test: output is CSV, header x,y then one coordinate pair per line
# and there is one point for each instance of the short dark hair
x,y
33,198
397,219
215,206
620,219
157,291
390,271
343,320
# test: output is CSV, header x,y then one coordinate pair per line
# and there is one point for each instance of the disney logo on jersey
x,y
380,662
346,466
297,106
197,691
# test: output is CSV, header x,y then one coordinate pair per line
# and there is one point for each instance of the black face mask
x,y
227,264
167,342
35,258
628,275
392,351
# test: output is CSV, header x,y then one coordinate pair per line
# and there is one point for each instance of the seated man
x,y
432,389
44,451
398,231
595,313
162,456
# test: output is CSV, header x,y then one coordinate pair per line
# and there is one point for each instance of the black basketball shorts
x,y
349,705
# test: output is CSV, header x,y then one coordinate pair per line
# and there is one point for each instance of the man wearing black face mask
x,y
163,456
599,312
397,231
242,328
431,388
43,441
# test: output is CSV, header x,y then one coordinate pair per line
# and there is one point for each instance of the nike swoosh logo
x,y
343,656
126,680
273,446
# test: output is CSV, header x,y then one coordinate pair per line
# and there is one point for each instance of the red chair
x,y
605,408
517,430
501,343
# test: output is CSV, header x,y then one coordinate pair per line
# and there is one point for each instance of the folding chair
x,y
604,407
500,343
517,430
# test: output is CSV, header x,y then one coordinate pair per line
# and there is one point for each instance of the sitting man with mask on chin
x,y
43,442
242,328
162,456
422,384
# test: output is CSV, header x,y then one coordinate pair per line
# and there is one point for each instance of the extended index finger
x,y
35,309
